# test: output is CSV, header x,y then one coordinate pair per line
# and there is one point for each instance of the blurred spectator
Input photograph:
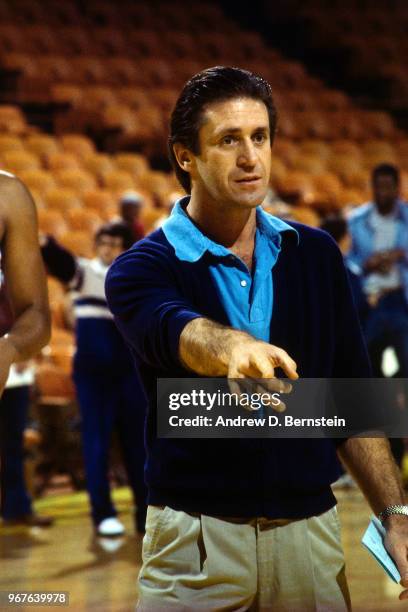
x,y
16,506
130,207
108,388
337,227
379,232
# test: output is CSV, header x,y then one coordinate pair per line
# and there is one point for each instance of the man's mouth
x,y
249,179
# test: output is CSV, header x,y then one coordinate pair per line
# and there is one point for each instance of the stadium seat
x,y
83,219
62,161
61,199
133,163
52,222
119,181
98,164
9,142
19,161
80,243
73,178
77,144
40,180
286,150
42,145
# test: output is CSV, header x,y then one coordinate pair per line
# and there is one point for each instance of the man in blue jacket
x,y
379,232
223,289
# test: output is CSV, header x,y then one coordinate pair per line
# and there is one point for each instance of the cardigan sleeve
x,y
148,305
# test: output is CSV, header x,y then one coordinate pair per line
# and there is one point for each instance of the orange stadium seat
x,y
344,166
98,164
75,40
317,148
110,41
119,181
83,219
286,150
80,243
62,199
312,164
295,187
328,188
77,144
54,68
41,39
379,125
73,178
98,97
351,197
278,169
333,100
144,42
133,163
63,161
40,180
12,120
315,124
11,39
346,147
52,222
87,70
66,93
135,97
102,201
305,215
19,161
10,142
123,71
42,145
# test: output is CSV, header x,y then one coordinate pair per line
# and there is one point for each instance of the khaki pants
x,y
197,562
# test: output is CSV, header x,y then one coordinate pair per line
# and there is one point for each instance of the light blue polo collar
x,y
190,243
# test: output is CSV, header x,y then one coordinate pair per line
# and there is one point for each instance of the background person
x,y
379,234
109,393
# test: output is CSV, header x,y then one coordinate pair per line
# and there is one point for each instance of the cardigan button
x,y
243,283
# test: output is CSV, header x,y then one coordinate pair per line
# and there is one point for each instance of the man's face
x,y
385,192
108,248
233,165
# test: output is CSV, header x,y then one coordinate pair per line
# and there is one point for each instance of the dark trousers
x,y
387,325
15,501
109,403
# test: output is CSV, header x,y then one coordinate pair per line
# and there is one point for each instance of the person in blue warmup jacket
x,y
223,289
109,392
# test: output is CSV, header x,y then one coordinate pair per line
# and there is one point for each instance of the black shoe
x,y
30,520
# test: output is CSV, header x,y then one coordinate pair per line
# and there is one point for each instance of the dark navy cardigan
x,y
153,295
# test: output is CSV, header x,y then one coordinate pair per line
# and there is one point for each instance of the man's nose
x,y
247,157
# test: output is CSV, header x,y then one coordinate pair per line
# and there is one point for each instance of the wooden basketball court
x,y
101,575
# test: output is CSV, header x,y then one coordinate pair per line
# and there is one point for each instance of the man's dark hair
x,y
336,226
212,85
116,229
386,170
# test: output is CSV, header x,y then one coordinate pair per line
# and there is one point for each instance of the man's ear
x,y
185,158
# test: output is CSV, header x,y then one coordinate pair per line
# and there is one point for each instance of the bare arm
x,y
370,462
211,349
25,277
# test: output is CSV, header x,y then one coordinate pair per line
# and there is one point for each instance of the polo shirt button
x,y
243,283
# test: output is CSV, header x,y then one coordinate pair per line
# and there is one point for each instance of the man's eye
x,y
228,140
259,138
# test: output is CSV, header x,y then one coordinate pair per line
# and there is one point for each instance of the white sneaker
x,y
110,527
